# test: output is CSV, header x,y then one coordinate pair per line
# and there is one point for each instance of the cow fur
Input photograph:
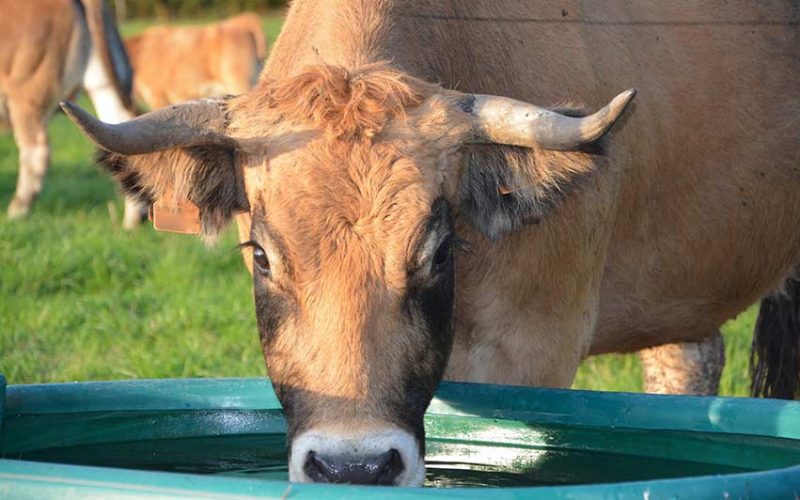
x,y
688,217
622,234
179,63
48,50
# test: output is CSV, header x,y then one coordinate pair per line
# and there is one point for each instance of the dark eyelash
x,y
246,244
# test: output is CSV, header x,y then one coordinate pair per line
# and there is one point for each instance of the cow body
x,y
691,221
355,178
173,64
48,50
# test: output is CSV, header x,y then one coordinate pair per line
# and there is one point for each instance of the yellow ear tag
x,y
175,216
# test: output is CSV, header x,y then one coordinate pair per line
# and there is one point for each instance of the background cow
x,y
174,64
250,21
357,180
48,49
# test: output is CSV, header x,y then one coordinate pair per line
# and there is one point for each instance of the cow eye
x,y
442,255
260,259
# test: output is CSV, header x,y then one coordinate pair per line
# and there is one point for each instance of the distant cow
x,y
174,64
356,181
48,50
250,21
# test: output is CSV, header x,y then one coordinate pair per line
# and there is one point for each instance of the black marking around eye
x,y
261,225
439,223
429,307
272,309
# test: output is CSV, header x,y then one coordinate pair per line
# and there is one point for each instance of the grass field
x,y
80,299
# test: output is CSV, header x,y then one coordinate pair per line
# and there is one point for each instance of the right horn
x,y
501,120
194,123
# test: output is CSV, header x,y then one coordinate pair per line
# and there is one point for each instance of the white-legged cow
x,y
356,181
176,63
48,50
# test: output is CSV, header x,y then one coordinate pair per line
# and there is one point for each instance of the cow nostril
x,y
315,469
381,469
391,467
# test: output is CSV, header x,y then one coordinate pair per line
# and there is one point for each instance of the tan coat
x,y
48,50
695,214
174,64
356,178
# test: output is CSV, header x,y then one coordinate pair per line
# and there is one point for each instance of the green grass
x,y
80,299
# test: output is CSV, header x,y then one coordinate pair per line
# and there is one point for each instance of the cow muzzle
x,y
389,457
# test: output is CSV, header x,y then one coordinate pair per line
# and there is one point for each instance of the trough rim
x,y
744,416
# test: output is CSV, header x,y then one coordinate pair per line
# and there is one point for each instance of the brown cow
x,y
173,64
357,181
48,49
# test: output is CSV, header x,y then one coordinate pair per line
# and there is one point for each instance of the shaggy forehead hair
x,y
346,105
345,108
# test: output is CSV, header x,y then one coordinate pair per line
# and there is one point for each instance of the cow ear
x,y
203,175
504,188
534,158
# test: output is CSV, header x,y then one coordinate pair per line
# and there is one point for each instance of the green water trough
x,y
225,438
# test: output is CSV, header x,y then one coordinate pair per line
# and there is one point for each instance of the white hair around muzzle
x,y
355,445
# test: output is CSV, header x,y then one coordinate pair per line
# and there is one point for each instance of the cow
x,y
177,63
48,50
251,22
408,214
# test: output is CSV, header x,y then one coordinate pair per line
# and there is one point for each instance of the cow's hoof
x,y
18,209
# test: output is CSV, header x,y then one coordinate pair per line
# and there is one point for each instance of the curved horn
x,y
501,120
194,123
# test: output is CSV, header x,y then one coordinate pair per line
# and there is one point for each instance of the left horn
x,y
501,120
194,123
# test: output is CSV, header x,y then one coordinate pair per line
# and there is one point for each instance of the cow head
x,y
349,182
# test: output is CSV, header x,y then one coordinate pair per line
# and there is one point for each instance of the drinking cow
x,y
385,137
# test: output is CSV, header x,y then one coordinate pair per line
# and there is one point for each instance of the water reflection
x,y
544,457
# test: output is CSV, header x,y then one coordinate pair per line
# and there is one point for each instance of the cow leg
x,y
30,133
684,368
135,212
110,108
